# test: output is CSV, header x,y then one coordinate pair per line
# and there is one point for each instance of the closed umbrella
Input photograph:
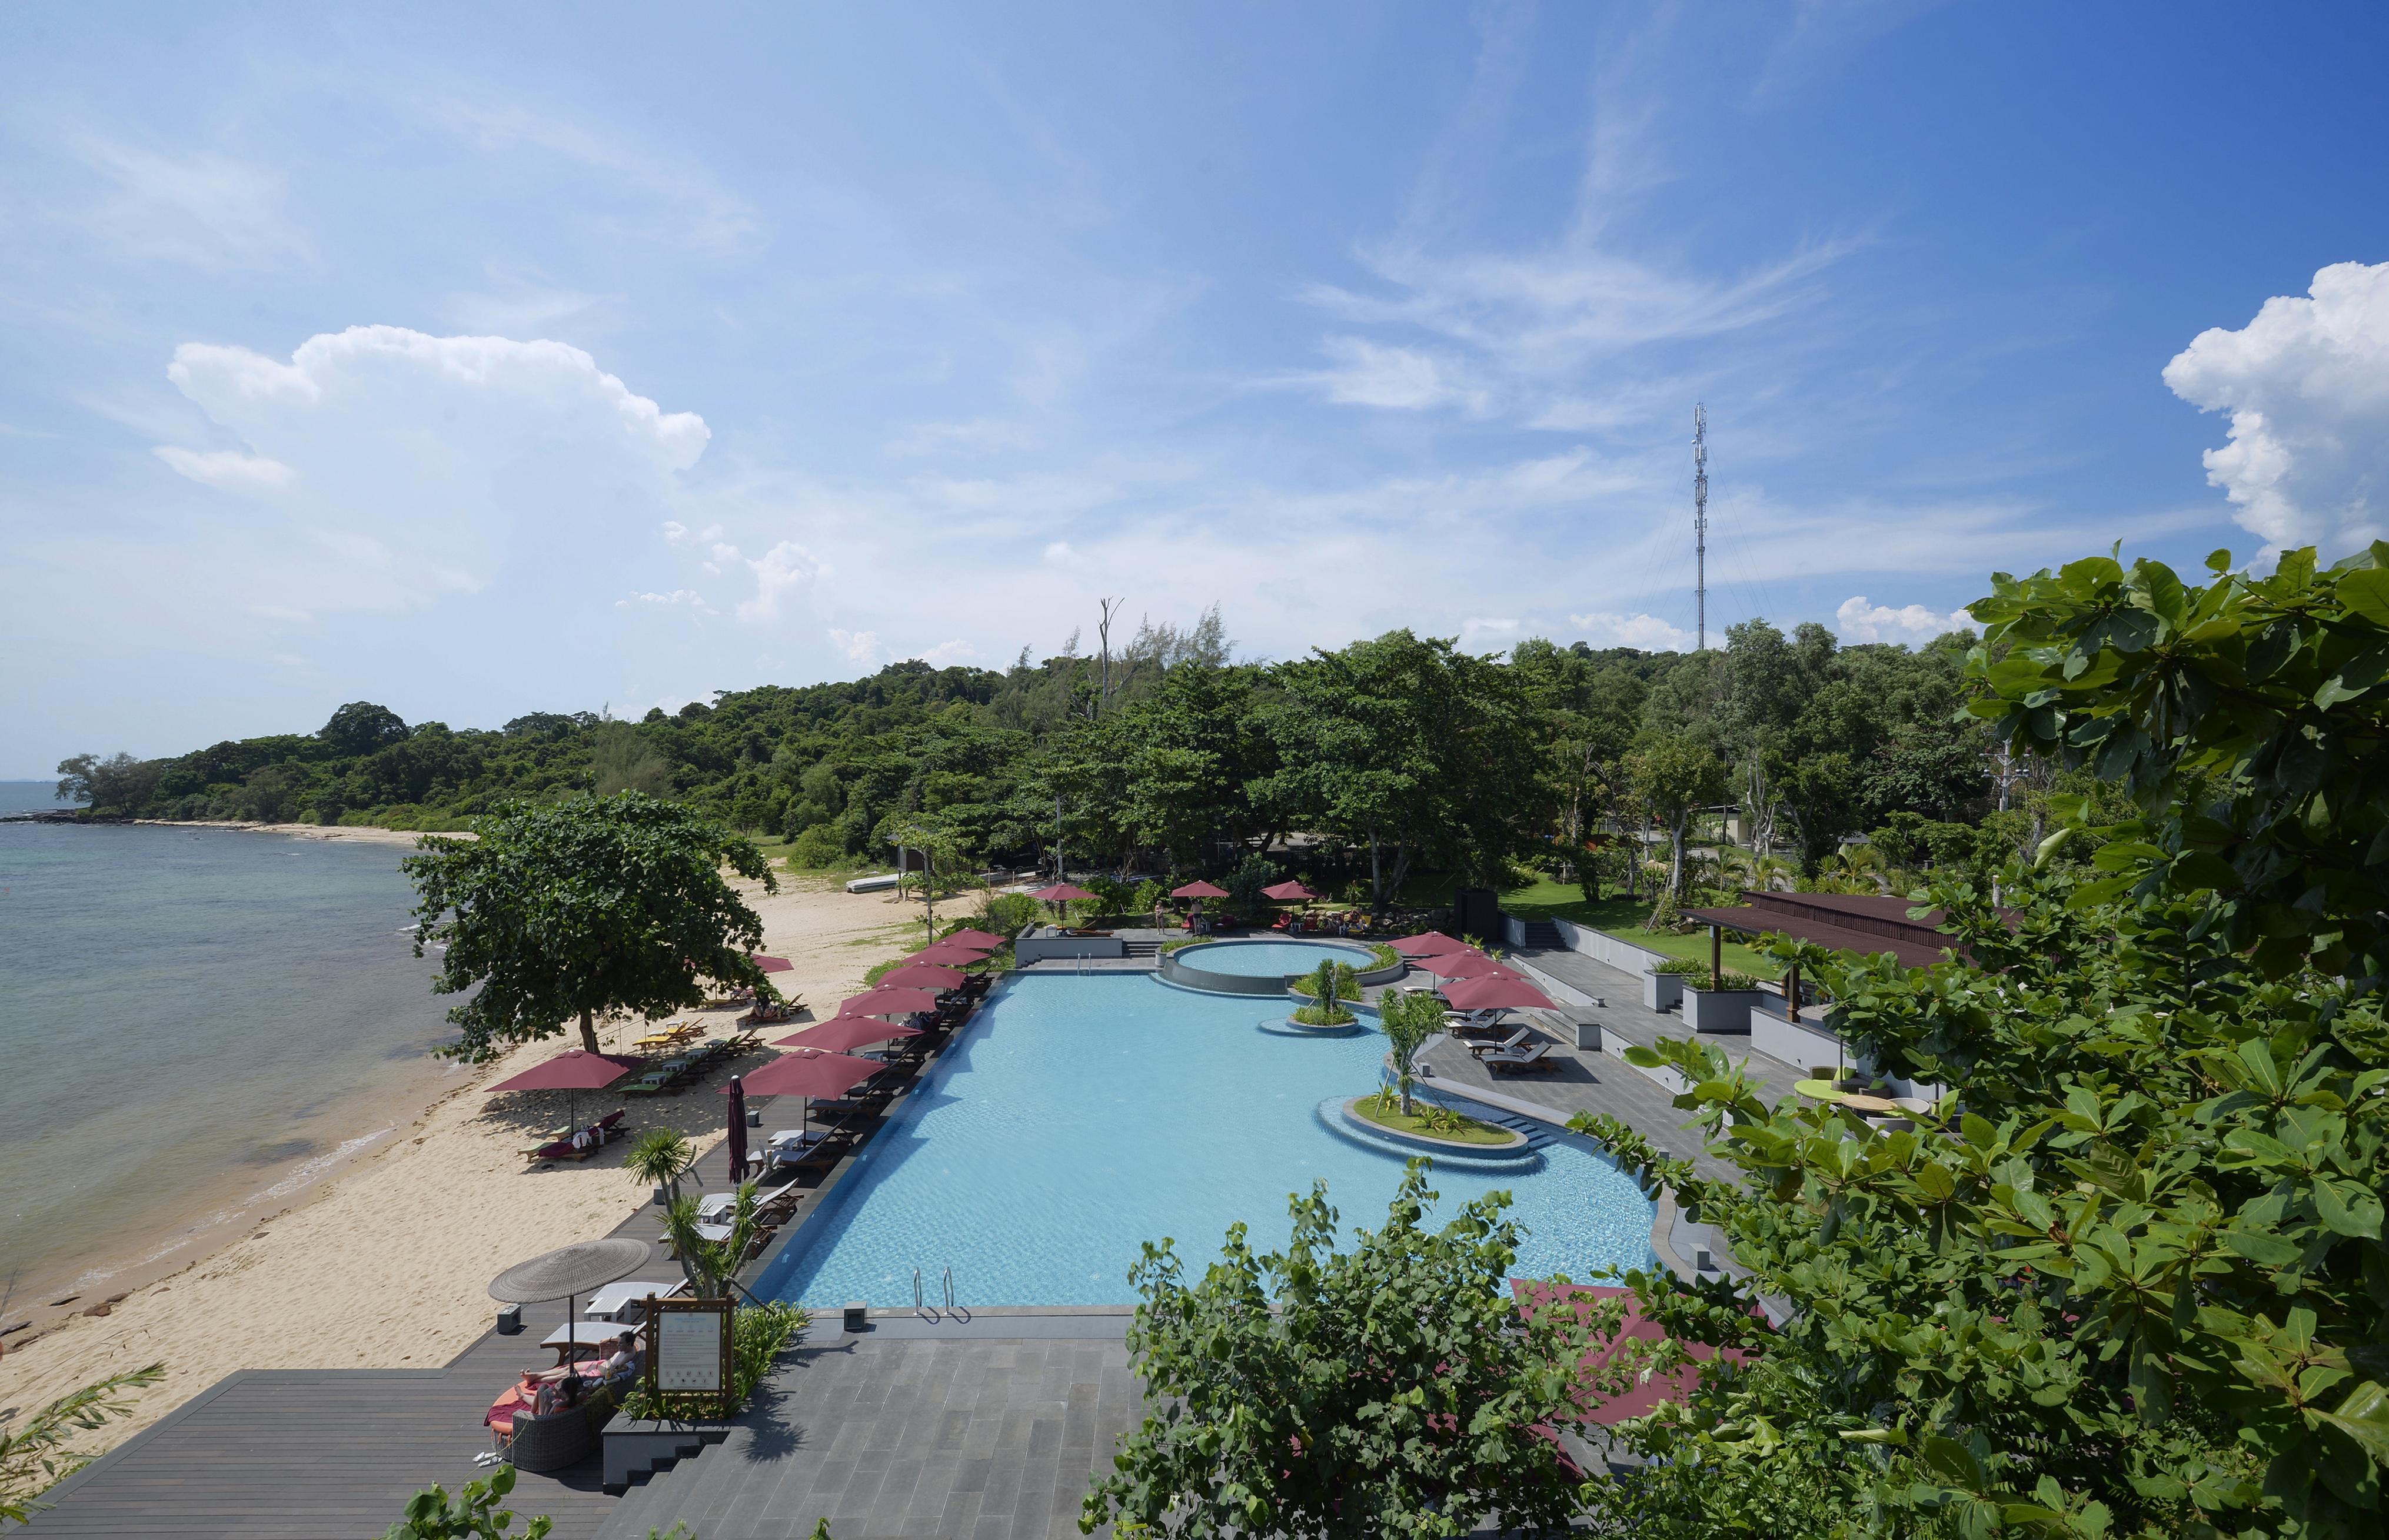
x,y
922,976
844,1033
1496,994
737,1132
1429,943
887,1001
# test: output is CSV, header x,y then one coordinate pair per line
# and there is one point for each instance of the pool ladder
x,y
923,1308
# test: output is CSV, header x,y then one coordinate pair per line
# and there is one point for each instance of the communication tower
x,y
1701,523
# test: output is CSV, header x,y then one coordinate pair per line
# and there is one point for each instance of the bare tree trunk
x,y
1675,864
588,1030
1376,875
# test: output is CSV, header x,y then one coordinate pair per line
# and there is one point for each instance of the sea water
x,y
195,1025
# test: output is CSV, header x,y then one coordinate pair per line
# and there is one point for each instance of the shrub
x,y
1680,965
1006,914
815,847
1244,884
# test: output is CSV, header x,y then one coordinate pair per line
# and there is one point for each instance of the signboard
x,y
689,1355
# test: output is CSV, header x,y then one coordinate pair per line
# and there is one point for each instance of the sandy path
x,y
388,1266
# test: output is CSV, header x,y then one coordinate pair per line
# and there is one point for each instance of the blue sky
x,y
485,360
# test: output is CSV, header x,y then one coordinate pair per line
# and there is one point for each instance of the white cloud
x,y
779,572
2307,383
418,463
947,653
1856,620
679,597
228,469
1365,373
190,206
857,646
1647,633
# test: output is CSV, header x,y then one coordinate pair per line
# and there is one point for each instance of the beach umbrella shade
x,y
1467,964
1429,943
949,953
1288,893
972,938
887,1001
844,1034
770,965
570,1271
737,1131
1061,893
1496,994
574,1070
1199,889
922,976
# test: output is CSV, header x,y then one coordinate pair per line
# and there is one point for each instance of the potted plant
x,y
1663,986
1724,1008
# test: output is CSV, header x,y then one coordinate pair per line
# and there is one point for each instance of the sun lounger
x,y
1511,1044
1520,1061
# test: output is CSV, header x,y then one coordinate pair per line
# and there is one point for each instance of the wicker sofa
x,y
561,1439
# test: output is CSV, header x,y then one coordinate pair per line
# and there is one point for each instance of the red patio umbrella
x,y
1467,964
809,1074
1496,994
574,1070
1199,889
1061,893
770,965
1287,893
922,976
972,938
843,1033
1429,943
887,1001
947,954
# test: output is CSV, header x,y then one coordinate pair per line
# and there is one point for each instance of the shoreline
x,y
383,1259
363,834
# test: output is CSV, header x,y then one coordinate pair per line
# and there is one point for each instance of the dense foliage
x,y
2130,1276
36,1453
580,909
1397,756
1390,1390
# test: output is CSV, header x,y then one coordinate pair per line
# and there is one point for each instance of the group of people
x,y
566,1387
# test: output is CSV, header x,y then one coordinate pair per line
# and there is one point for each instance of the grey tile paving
x,y
927,1437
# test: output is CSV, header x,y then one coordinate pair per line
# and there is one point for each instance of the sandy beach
x,y
386,1263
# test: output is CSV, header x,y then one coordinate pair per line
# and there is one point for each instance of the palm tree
x,y
710,1264
1407,1018
660,1158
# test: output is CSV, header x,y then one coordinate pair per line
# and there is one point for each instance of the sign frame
x,y
719,1359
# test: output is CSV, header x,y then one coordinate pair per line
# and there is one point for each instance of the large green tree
x,y
2130,1275
583,907
1674,776
1391,1389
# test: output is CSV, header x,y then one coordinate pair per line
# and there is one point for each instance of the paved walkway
x,y
988,1438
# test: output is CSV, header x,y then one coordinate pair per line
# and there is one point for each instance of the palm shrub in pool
x,y
1326,985
1407,1018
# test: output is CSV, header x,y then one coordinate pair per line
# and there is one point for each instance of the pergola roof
x,y
1844,923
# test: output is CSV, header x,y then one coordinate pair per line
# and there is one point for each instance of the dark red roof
x,y
1862,923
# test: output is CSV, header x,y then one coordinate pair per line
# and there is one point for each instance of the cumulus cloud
x,y
779,572
228,469
2306,385
678,598
1647,633
857,647
1856,620
947,653
421,464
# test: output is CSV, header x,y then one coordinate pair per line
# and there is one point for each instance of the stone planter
x,y
1515,1145
1719,1009
1662,991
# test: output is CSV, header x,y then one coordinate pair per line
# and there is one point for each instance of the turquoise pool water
x,y
1082,1115
1264,960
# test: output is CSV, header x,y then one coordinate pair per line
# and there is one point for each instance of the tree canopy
x,y
581,908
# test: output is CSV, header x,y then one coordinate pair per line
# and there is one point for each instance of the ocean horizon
x,y
200,1023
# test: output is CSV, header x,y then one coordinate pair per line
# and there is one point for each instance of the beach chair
x,y
1534,1060
648,1084
1509,1044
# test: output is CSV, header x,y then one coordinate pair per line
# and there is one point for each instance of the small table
x,y
609,1302
581,1335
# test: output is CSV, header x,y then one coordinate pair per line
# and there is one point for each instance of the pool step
x,y
1140,948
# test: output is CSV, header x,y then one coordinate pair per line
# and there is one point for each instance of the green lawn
x,y
1467,1130
1621,917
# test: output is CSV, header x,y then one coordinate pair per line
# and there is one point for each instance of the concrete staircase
x,y
1543,934
1149,950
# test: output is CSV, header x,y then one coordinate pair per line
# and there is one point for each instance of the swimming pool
x,y
1080,1115
1271,959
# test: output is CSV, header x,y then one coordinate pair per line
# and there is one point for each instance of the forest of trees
x,y
1401,756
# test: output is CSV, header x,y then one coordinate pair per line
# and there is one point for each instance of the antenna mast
x,y
1701,522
